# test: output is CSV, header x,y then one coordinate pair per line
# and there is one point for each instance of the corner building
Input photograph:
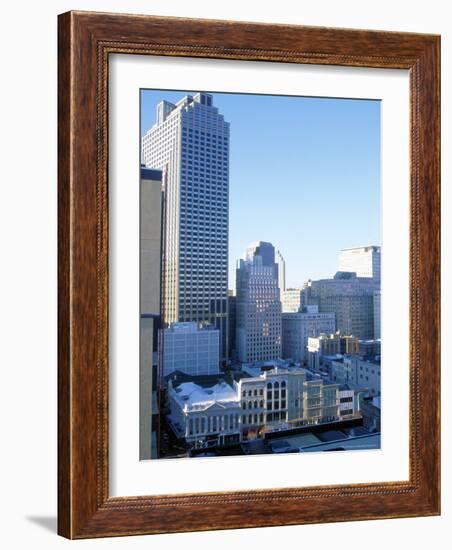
x,y
190,144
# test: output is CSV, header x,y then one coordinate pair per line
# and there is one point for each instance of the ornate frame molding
x,y
85,42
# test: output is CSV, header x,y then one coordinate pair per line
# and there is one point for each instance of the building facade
x,y
327,345
365,261
360,373
205,415
150,276
191,349
224,413
258,306
291,300
349,297
190,143
297,328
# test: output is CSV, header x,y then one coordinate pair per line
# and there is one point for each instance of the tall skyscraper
x,y
190,143
258,307
281,271
365,261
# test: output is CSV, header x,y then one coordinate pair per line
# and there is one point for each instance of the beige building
x,y
150,275
291,300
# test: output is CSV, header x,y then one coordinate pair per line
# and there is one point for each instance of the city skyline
x,y
333,201
224,373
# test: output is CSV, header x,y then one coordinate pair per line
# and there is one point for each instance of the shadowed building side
x,y
150,277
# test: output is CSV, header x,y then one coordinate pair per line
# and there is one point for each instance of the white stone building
x,y
218,413
190,143
327,344
205,416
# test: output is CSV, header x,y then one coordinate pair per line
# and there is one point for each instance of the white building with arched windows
x,y
209,411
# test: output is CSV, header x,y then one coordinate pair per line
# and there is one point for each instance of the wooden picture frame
x,y
86,40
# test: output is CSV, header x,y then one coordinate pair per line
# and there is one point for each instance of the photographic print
x,y
260,274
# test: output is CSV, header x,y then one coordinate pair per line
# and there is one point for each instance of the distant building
x,y
291,300
190,349
367,372
330,345
297,328
370,347
377,314
258,324
150,275
349,297
365,261
360,373
189,142
281,271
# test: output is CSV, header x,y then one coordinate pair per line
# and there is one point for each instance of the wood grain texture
x,y
85,42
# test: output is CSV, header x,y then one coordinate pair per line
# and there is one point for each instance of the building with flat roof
x,y
326,344
190,348
297,328
291,300
365,261
349,297
362,373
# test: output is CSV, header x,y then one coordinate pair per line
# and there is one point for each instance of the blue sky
x,y
304,175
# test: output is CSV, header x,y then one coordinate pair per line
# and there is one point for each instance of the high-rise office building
x,y
150,276
190,143
281,271
258,306
365,261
